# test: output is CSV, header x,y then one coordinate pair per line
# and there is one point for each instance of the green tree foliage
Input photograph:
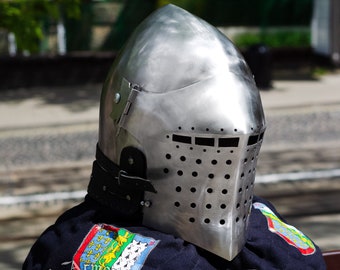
x,y
260,12
257,13
135,11
197,7
79,31
25,18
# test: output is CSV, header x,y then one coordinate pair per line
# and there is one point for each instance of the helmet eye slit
x,y
204,141
221,142
181,139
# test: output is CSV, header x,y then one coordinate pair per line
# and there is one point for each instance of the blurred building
x,y
326,29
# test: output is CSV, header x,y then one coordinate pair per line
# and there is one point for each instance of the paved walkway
x,y
301,94
43,107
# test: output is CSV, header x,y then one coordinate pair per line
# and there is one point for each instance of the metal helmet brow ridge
x,y
182,94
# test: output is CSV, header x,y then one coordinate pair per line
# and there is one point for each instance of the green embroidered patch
x,y
108,247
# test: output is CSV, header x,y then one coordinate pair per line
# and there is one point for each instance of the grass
x,y
274,39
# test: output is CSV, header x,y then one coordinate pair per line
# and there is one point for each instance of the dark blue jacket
x,y
271,243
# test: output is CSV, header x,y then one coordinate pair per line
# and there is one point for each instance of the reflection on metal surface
x,y
197,117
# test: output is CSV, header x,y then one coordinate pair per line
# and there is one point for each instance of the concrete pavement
x,y
40,107
299,94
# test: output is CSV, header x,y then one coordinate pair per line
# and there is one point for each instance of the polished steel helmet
x,y
183,96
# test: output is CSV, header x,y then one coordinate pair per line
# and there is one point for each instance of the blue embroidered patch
x,y
108,247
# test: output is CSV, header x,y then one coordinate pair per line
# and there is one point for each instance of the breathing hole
x,y
182,158
211,175
178,189
208,206
180,173
207,220
193,205
227,176
168,156
198,161
177,204
214,162
223,206
209,190
224,191
228,162
222,221
166,170
193,190
237,219
192,220
194,174
237,206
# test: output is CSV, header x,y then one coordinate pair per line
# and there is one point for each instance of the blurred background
x,y
54,56
71,38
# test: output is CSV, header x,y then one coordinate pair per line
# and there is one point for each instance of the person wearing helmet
x,y
181,126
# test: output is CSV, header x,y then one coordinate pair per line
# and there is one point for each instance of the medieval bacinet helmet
x,y
181,98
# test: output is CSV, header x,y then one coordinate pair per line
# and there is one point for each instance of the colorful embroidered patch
x,y
107,247
289,233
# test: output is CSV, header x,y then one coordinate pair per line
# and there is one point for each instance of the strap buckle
x,y
135,182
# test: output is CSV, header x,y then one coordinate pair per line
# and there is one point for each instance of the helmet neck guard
x,y
120,187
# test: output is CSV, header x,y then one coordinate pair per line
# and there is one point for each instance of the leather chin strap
x,y
120,187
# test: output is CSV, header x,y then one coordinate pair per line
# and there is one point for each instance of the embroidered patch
x,y
289,233
107,247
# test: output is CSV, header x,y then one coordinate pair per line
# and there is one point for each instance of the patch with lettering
x,y
108,247
289,233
